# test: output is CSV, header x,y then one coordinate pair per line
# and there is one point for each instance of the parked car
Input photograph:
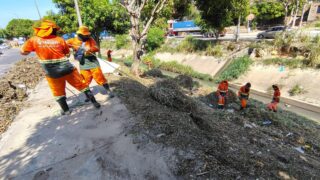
x,y
271,32
4,46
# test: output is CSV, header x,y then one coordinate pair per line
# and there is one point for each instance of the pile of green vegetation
x,y
238,67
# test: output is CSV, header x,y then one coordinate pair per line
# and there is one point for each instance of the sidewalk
x,y
88,144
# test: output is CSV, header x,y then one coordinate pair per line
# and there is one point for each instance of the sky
x,y
24,9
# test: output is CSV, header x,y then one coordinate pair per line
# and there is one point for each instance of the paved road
x,y
9,58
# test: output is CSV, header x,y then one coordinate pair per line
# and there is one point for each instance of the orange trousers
x,y
243,102
273,106
95,74
221,101
58,85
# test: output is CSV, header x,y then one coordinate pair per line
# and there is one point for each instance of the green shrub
x,y
174,66
191,45
291,63
284,40
296,90
317,24
316,39
231,46
313,58
238,67
107,44
122,41
155,38
214,51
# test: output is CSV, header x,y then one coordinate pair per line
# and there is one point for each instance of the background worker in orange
x,y
222,93
243,95
275,100
51,51
109,55
89,65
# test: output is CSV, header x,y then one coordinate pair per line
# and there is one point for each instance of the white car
x,y
4,46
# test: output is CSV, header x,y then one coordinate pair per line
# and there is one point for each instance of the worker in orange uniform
x,y
51,51
275,100
222,93
243,95
109,55
85,48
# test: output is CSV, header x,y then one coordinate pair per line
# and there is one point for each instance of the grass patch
x,y
172,66
291,63
238,67
296,90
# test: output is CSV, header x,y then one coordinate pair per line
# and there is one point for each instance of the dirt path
x,y
88,144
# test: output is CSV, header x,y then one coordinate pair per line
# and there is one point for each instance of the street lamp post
x,y
78,12
35,2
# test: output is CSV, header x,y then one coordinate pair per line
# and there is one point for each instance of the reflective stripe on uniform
x,y
52,61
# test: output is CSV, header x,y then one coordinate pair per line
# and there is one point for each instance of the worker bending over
x,y
275,100
243,95
86,47
222,93
51,51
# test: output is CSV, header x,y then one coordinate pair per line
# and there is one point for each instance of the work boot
x,y
110,93
64,106
90,96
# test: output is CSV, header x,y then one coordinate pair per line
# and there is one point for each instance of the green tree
x,y
268,12
19,28
98,15
141,21
215,14
3,33
240,9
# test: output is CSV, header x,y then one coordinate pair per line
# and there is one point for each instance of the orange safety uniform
x,y
275,100
51,51
91,68
244,96
109,55
222,93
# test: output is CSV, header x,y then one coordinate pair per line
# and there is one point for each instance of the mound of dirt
x,y
168,93
154,73
185,82
219,144
14,87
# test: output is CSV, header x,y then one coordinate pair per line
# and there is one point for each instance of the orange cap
x,y
84,30
46,28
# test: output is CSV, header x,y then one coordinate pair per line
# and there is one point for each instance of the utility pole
x,y
78,12
35,2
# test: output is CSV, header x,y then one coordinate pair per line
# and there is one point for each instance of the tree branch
x,y
154,13
144,2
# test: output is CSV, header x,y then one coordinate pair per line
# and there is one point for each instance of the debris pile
x,y
220,144
154,73
186,82
168,93
14,89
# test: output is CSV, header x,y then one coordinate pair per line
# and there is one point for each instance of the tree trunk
x,y
290,20
302,15
136,56
286,15
295,14
238,29
97,39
